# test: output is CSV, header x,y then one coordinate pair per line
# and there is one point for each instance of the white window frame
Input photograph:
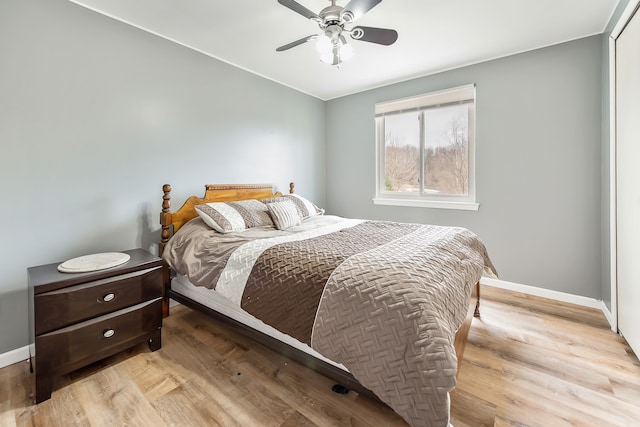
x,y
457,95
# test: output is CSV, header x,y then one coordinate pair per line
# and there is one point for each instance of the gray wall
x,y
95,116
538,163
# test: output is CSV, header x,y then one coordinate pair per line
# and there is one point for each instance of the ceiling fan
x,y
332,44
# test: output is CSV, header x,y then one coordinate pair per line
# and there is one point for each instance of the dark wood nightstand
x,y
78,318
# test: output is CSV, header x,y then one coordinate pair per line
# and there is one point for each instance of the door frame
x,y
624,19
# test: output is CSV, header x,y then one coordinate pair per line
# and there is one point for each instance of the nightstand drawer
x,y
60,308
97,338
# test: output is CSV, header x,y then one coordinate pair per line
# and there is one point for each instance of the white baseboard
x,y
14,356
544,293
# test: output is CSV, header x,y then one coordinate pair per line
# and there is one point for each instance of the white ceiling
x,y
434,35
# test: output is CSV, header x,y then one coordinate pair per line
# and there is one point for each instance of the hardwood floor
x,y
528,362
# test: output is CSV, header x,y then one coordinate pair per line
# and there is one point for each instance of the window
x,y
425,149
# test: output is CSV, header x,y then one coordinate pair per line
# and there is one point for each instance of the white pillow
x,y
284,214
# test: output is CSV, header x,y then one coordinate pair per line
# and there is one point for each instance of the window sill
x,y
464,206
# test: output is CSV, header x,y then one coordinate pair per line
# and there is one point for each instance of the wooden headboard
x,y
171,222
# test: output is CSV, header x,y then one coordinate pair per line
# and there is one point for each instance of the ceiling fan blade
x,y
296,43
298,8
356,8
374,35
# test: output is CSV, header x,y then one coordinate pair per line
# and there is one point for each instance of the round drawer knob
x,y
109,333
108,297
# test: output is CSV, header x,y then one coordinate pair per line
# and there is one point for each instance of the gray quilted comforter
x,y
384,299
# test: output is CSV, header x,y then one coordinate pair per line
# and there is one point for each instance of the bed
x,y
383,308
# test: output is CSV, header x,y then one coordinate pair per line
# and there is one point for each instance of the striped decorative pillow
x,y
284,214
227,217
304,206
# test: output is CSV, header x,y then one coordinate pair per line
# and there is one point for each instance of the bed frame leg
x,y
339,389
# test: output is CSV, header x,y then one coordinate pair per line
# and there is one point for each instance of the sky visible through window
x,y
405,127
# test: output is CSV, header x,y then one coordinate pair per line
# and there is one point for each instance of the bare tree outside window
x,y
401,167
446,168
402,152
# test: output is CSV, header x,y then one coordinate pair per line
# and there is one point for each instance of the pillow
x,y
227,217
304,206
284,214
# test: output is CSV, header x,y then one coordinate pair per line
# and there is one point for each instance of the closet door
x,y
628,180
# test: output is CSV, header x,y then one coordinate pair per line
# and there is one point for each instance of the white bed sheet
x,y
215,301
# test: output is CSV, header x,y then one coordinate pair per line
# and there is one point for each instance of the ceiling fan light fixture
x,y
324,45
345,51
340,52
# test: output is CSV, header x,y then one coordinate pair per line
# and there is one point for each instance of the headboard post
x,y
291,187
165,217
